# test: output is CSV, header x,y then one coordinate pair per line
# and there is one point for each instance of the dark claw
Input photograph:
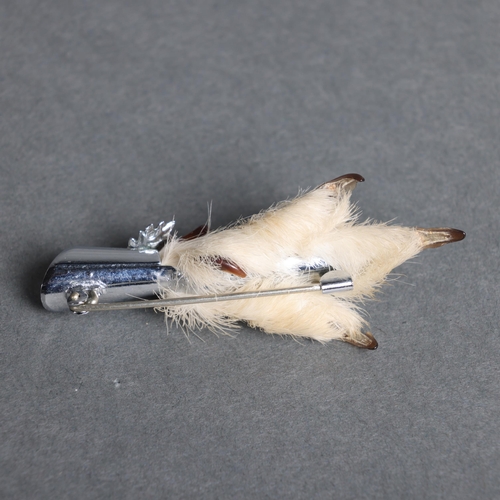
x,y
355,177
230,267
435,237
196,233
370,342
347,181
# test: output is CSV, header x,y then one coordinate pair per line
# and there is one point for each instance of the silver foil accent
x,y
151,237
312,266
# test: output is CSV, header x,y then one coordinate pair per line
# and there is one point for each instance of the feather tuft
x,y
320,224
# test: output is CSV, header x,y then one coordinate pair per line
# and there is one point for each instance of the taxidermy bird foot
x,y
256,270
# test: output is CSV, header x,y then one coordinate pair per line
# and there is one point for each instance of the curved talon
x,y
346,181
230,267
435,237
196,233
370,342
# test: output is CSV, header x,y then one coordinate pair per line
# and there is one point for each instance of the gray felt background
x,y
116,114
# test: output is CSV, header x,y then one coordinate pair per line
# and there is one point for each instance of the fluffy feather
x,y
266,251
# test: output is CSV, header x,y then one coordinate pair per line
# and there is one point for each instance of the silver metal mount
x,y
106,279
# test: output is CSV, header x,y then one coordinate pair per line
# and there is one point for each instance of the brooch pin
x,y
300,268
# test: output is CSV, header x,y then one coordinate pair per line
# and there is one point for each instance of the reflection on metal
x,y
331,282
85,275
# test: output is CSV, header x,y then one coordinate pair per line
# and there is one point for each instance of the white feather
x,y
320,224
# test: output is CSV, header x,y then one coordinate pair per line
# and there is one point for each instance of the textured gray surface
x,y
115,114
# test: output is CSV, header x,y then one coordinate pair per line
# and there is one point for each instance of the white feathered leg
x,y
266,251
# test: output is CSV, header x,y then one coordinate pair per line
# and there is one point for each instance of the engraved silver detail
x,y
151,237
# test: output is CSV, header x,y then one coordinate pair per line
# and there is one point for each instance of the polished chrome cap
x,y
84,275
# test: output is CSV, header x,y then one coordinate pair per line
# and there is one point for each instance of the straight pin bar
x,y
333,281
